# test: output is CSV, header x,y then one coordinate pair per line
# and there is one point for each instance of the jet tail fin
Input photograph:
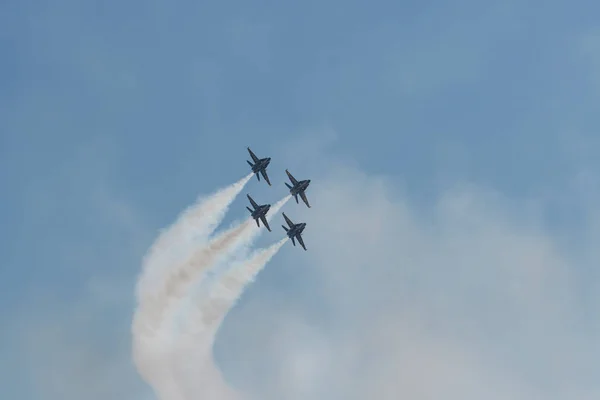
x,y
248,208
293,241
296,197
288,186
286,229
249,163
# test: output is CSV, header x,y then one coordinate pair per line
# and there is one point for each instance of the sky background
x,y
453,152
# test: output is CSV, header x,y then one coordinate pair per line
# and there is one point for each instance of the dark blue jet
x,y
260,166
298,188
259,212
294,231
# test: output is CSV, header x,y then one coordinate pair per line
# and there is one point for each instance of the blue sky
x,y
466,121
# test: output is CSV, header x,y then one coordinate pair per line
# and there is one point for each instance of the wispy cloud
x,y
468,299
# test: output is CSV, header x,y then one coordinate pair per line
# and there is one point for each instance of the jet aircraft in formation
x,y
260,166
297,188
259,212
294,231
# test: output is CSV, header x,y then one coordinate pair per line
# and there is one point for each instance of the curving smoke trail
x,y
194,359
181,278
175,262
176,285
153,359
152,343
230,286
193,225
187,365
152,313
197,222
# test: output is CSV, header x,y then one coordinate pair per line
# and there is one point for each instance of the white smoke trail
x,y
189,357
152,346
197,221
180,279
179,283
225,292
243,237
153,359
158,287
194,357
277,206
193,225
230,287
153,310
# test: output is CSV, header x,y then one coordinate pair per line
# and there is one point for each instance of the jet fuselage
x,y
296,230
301,186
261,211
262,164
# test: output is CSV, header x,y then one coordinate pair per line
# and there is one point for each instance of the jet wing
x,y
304,199
292,179
265,223
252,202
254,158
288,221
301,242
264,174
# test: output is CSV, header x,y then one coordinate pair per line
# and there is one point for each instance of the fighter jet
x,y
298,188
260,166
294,231
259,212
